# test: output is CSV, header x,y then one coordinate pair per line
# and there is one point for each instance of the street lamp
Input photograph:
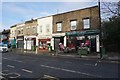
x,y
26,43
100,30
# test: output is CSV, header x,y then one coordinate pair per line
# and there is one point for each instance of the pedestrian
x,y
61,46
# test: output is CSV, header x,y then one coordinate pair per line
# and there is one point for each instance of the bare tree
x,y
109,9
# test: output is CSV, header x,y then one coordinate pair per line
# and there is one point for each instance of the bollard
x,y
79,49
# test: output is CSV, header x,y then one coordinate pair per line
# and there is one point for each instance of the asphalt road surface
x,y
36,66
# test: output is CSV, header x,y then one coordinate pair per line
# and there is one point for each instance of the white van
x,y
3,48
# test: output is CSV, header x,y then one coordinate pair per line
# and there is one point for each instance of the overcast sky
x,y
17,12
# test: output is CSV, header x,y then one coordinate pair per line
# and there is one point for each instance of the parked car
x,y
3,48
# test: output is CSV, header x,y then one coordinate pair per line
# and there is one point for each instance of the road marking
x,y
1,77
0,63
27,70
47,76
115,62
11,66
4,72
11,59
17,75
72,71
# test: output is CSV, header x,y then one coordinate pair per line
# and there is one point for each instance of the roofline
x,y
76,10
17,24
68,12
45,17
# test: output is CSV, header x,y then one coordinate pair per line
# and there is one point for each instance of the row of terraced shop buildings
x,y
73,26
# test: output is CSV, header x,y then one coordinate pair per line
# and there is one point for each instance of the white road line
x,y
11,59
27,70
11,66
0,63
1,77
47,76
70,71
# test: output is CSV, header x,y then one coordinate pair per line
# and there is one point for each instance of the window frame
x,y
71,27
87,23
59,28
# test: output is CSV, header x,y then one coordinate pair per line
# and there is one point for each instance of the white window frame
x,y
59,26
73,24
86,23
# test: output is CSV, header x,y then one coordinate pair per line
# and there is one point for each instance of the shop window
x,y
86,23
43,45
59,26
73,25
40,45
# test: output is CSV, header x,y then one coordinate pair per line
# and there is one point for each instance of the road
x,y
36,66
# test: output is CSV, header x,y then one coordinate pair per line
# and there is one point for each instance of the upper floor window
x,y
28,30
73,25
41,28
47,28
12,33
15,32
18,31
21,31
86,23
34,29
59,26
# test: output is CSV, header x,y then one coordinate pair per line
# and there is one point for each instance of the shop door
x,y
57,40
20,44
93,45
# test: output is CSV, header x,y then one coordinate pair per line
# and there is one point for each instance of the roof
x,y
68,11
76,10
13,26
6,31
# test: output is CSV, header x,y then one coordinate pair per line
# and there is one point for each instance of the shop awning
x,y
82,33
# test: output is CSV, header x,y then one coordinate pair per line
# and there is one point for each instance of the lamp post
x,y
26,43
100,30
36,42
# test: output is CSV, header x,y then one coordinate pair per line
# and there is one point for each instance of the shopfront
x,y
58,38
78,39
20,42
13,42
30,42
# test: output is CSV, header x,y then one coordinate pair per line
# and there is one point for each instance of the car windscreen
x,y
3,45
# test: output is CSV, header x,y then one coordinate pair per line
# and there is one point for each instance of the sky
x,y
16,12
